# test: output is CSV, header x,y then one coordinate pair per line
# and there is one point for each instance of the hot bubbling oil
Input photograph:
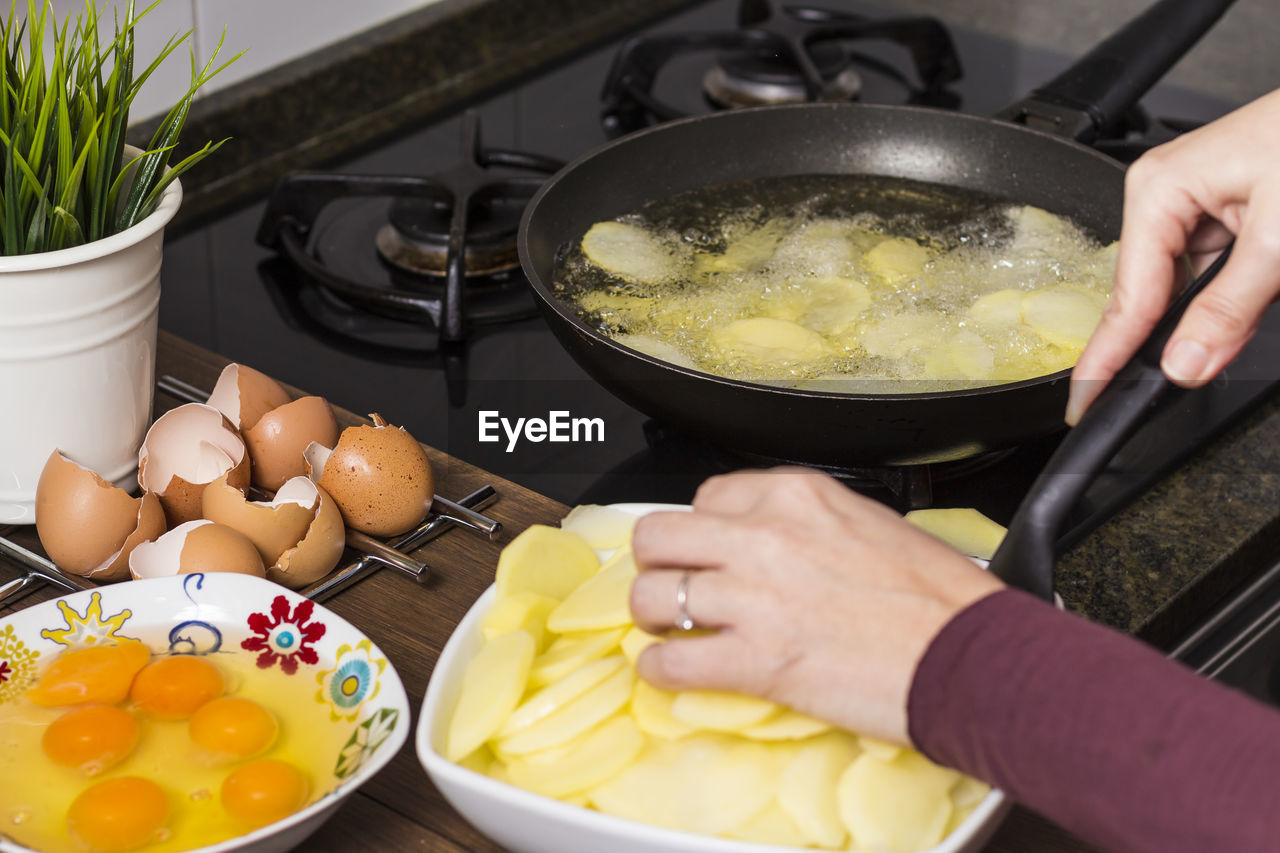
x,y
843,282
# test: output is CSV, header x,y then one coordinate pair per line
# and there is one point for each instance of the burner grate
x,y
451,237
779,54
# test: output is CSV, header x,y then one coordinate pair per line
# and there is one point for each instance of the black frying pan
x,y
1030,154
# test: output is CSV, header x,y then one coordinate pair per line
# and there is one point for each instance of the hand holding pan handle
x,y
1025,558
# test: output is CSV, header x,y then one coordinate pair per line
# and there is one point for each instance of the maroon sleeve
x,y
1098,732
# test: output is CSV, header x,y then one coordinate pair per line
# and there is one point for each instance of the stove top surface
x,y
227,293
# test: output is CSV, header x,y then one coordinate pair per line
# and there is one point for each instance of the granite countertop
x,y
1152,570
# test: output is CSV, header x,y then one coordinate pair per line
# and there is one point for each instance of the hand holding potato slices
x,y
821,600
551,703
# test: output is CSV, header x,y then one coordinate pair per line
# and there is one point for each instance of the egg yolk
x,y
232,726
264,791
118,814
91,737
98,674
172,688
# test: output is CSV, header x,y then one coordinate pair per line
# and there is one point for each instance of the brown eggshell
x,y
244,395
379,477
87,525
151,526
276,442
319,551
272,526
186,449
196,546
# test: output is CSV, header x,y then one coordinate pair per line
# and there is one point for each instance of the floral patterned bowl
x,y
207,614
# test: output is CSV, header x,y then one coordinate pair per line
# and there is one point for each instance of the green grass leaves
x,y
64,111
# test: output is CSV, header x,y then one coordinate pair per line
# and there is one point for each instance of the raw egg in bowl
x,y
210,712
537,730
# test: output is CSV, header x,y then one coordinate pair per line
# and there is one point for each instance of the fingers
x,y
710,601
681,540
717,661
1157,221
1222,319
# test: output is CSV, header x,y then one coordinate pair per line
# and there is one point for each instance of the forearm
x,y
1096,731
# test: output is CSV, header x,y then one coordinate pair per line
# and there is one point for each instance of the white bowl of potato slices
x,y
536,728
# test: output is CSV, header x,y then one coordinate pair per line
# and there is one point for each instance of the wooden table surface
x,y
399,809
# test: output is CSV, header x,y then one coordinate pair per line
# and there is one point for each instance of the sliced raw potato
x,y
896,259
635,641
1038,231
571,720
520,611
902,805
771,825
786,725
571,651
963,528
491,688
706,784
628,251
1001,308
1063,316
807,787
651,708
901,334
881,749
592,759
720,710
546,560
552,698
961,355
477,760
601,601
603,527
766,341
968,792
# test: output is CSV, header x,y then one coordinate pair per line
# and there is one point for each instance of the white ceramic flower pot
x,y
77,357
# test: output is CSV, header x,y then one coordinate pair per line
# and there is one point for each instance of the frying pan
x,y
1030,153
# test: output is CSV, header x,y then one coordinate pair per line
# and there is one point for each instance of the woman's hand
x,y
1190,196
820,599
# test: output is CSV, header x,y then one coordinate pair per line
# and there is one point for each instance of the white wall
x,y
273,31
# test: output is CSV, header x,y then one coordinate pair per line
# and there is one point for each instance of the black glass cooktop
x,y
227,293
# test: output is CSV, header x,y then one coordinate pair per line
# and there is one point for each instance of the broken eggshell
x,y
378,475
278,439
196,546
299,534
186,449
88,526
244,395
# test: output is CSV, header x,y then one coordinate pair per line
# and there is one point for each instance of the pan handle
x,y
1099,88
1025,558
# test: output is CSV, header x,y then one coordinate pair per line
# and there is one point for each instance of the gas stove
x,y
361,289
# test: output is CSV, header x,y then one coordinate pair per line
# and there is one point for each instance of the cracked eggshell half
x,y
278,439
89,526
244,395
319,551
186,449
299,534
272,526
196,546
378,475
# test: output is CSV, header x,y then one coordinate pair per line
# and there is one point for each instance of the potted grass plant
x,y
82,217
